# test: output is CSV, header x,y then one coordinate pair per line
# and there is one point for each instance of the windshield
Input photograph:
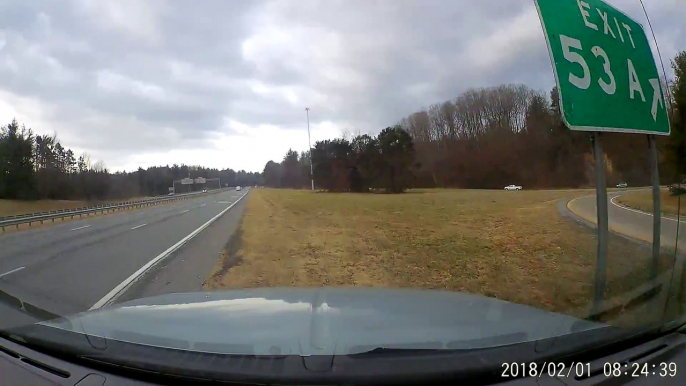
x,y
338,178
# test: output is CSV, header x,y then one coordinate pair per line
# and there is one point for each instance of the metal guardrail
x,y
26,215
30,218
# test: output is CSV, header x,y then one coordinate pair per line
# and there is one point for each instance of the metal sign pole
x,y
656,207
309,141
601,205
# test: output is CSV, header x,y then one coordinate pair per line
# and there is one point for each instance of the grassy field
x,y
643,200
509,245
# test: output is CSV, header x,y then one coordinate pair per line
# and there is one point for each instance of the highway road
x,y
631,222
76,265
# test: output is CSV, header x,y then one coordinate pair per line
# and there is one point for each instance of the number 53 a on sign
x,y
604,68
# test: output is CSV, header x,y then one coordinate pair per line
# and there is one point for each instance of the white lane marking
x,y
138,226
224,202
203,205
121,288
612,200
12,271
184,211
83,227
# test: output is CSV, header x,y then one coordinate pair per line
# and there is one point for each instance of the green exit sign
x,y
604,68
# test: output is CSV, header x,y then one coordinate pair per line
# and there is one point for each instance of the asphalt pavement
x,y
72,266
631,222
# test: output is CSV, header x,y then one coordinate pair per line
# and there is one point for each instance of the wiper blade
x,y
17,312
392,351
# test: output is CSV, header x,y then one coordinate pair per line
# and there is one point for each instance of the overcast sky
x,y
225,83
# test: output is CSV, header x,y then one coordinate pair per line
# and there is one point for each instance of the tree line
x,y
677,140
483,138
39,167
362,163
488,138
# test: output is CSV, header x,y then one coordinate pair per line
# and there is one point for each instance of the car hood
x,y
321,321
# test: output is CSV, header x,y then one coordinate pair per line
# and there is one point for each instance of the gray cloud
x,y
126,78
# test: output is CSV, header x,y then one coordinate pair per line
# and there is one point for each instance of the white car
x,y
513,187
238,188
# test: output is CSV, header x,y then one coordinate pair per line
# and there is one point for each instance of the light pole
x,y
309,142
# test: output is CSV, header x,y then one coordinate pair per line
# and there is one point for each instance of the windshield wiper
x,y
24,313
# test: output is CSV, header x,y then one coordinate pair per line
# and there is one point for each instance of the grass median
x,y
509,245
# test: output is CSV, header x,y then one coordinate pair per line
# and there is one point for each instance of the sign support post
x,y
601,205
656,207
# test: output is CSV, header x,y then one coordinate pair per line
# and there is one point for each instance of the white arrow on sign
x,y
657,97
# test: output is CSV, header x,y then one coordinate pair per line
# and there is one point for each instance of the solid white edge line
x,y
138,226
83,227
12,271
612,200
121,288
593,195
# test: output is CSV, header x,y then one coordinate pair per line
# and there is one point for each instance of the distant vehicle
x,y
170,194
513,187
238,188
204,190
622,185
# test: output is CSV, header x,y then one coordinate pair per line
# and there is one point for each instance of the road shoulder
x,y
187,268
587,216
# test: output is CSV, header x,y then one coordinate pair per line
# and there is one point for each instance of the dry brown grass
x,y
643,200
509,245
